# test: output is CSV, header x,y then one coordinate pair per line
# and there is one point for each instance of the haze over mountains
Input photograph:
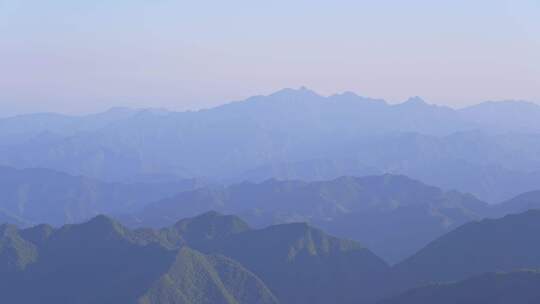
x,y
33,196
482,149
151,182
391,214
338,199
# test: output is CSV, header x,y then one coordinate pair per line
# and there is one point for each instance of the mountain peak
x,y
349,96
208,226
104,223
119,109
415,101
102,219
302,92
511,102
209,214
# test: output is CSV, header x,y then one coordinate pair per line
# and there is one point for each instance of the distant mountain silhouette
x,y
392,215
44,195
279,134
521,116
309,170
21,128
518,204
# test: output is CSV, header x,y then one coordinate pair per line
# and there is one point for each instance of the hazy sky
x,y
82,55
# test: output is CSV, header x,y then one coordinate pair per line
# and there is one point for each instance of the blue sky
x,y
84,56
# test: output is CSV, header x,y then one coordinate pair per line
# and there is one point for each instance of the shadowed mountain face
x,y
519,287
303,265
42,195
491,245
195,278
299,264
392,215
103,262
277,135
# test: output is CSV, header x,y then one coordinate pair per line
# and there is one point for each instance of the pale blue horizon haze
x,y
87,56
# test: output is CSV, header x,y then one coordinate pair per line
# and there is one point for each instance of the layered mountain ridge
x,y
391,214
31,196
231,142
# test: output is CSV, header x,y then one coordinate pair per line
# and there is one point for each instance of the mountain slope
x,y
194,278
15,252
495,288
301,264
518,204
200,230
489,245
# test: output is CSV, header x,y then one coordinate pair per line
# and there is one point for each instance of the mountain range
x,y
328,199
275,136
101,261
